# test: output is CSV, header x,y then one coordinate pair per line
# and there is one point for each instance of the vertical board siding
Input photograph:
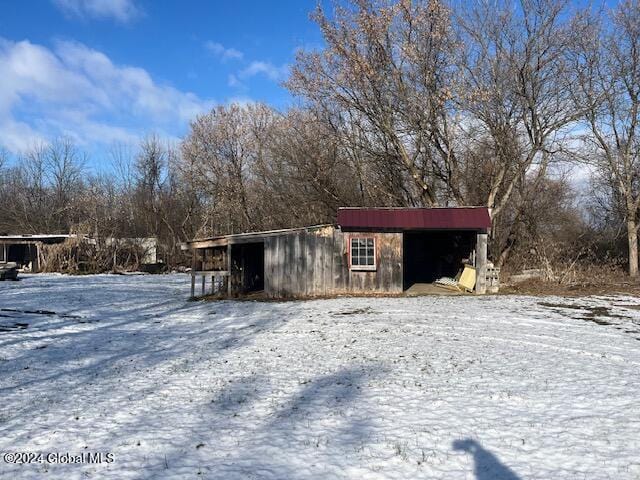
x,y
339,268
316,257
315,263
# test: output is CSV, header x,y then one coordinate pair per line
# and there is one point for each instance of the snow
x,y
495,387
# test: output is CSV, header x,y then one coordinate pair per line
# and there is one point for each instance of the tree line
x,y
407,103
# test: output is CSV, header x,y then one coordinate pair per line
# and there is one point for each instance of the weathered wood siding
x,y
316,263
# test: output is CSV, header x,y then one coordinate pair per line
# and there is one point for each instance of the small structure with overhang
x,y
26,250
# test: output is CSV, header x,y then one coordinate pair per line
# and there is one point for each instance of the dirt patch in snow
x,y
629,307
588,312
603,285
357,311
592,313
13,314
37,312
12,327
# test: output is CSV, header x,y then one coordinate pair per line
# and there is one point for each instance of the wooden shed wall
x,y
316,263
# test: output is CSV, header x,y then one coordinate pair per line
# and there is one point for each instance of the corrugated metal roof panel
x,y
449,218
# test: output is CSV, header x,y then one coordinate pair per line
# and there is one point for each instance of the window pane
x,y
362,251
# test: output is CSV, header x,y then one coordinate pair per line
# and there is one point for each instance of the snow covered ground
x,y
432,387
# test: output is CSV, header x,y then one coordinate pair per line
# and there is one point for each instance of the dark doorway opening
x,y
18,253
429,255
247,267
23,254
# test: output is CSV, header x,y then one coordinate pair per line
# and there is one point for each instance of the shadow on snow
x,y
486,464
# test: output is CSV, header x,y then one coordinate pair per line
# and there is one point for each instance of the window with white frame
x,y
363,253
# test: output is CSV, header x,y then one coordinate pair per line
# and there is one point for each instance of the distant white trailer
x,y
148,246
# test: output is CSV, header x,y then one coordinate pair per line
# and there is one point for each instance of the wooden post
x,y
204,279
194,253
36,260
229,290
481,263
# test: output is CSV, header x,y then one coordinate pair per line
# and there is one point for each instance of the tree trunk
x,y
502,258
632,237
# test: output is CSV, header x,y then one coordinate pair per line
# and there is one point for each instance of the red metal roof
x,y
454,218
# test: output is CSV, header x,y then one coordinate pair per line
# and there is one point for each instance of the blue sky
x,y
112,71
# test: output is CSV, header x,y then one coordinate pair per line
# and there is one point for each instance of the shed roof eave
x,y
36,236
223,240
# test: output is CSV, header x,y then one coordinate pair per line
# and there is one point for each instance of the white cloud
x,y
232,81
267,69
222,52
18,136
120,10
77,91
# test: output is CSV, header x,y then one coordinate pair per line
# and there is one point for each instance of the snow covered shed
x,y
368,250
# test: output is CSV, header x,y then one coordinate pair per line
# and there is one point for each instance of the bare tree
x,y
303,172
386,77
517,100
64,166
43,188
607,88
150,170
220,153
414,91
